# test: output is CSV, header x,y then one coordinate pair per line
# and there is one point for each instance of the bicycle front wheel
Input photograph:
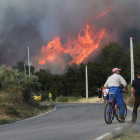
x,y
108,113
118,112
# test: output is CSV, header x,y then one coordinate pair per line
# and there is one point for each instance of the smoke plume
x,y
34,23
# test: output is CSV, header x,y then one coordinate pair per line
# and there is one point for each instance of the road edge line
x,y
130,109
102,136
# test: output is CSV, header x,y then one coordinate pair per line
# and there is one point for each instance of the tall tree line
x,y
72,83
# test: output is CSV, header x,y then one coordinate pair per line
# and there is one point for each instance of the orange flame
x,y
78,48
7,64
103,13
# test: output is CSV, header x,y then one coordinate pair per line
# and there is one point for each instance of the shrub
x,y
66,99
12,94
62,99
11,77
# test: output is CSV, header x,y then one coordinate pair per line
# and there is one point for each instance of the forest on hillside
x,y
72,83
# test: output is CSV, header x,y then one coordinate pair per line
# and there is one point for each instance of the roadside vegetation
x,y
16,102
128,99
129,135
76,99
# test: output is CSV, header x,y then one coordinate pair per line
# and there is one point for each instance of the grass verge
x,y
14,108
129,135
24,111
65,99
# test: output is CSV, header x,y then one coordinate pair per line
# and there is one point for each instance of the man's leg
x,y
134,114
121,104
105,99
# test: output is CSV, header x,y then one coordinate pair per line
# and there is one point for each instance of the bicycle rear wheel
x,y
108,113
118,112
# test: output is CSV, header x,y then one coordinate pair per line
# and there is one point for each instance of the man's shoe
x,y
122,118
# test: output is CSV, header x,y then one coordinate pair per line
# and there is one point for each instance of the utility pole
x,y
132,59
25,68
86,83
28,61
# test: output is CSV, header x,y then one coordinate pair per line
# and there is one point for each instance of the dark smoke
x,y
34,23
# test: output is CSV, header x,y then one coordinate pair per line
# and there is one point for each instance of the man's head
x,y
138,74
116,70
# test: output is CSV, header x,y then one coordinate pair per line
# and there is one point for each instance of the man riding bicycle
x,y
114,83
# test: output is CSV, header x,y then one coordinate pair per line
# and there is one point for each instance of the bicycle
x,y
114,111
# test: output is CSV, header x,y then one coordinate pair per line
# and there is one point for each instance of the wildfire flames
x,y
7,64
103,13
78,48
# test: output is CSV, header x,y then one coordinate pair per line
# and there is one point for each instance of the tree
x,y
19,66
80,85
95,78
113,56
70,81
44,79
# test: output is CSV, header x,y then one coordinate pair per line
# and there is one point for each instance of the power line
x,y
126,45
129,41
9,44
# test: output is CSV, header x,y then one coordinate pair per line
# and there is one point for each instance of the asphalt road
x,y
68,122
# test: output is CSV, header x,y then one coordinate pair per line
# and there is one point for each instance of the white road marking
x,y
130,109
118,128
101,137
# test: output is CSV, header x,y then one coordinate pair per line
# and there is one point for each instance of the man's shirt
x,y
115,80
136,86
